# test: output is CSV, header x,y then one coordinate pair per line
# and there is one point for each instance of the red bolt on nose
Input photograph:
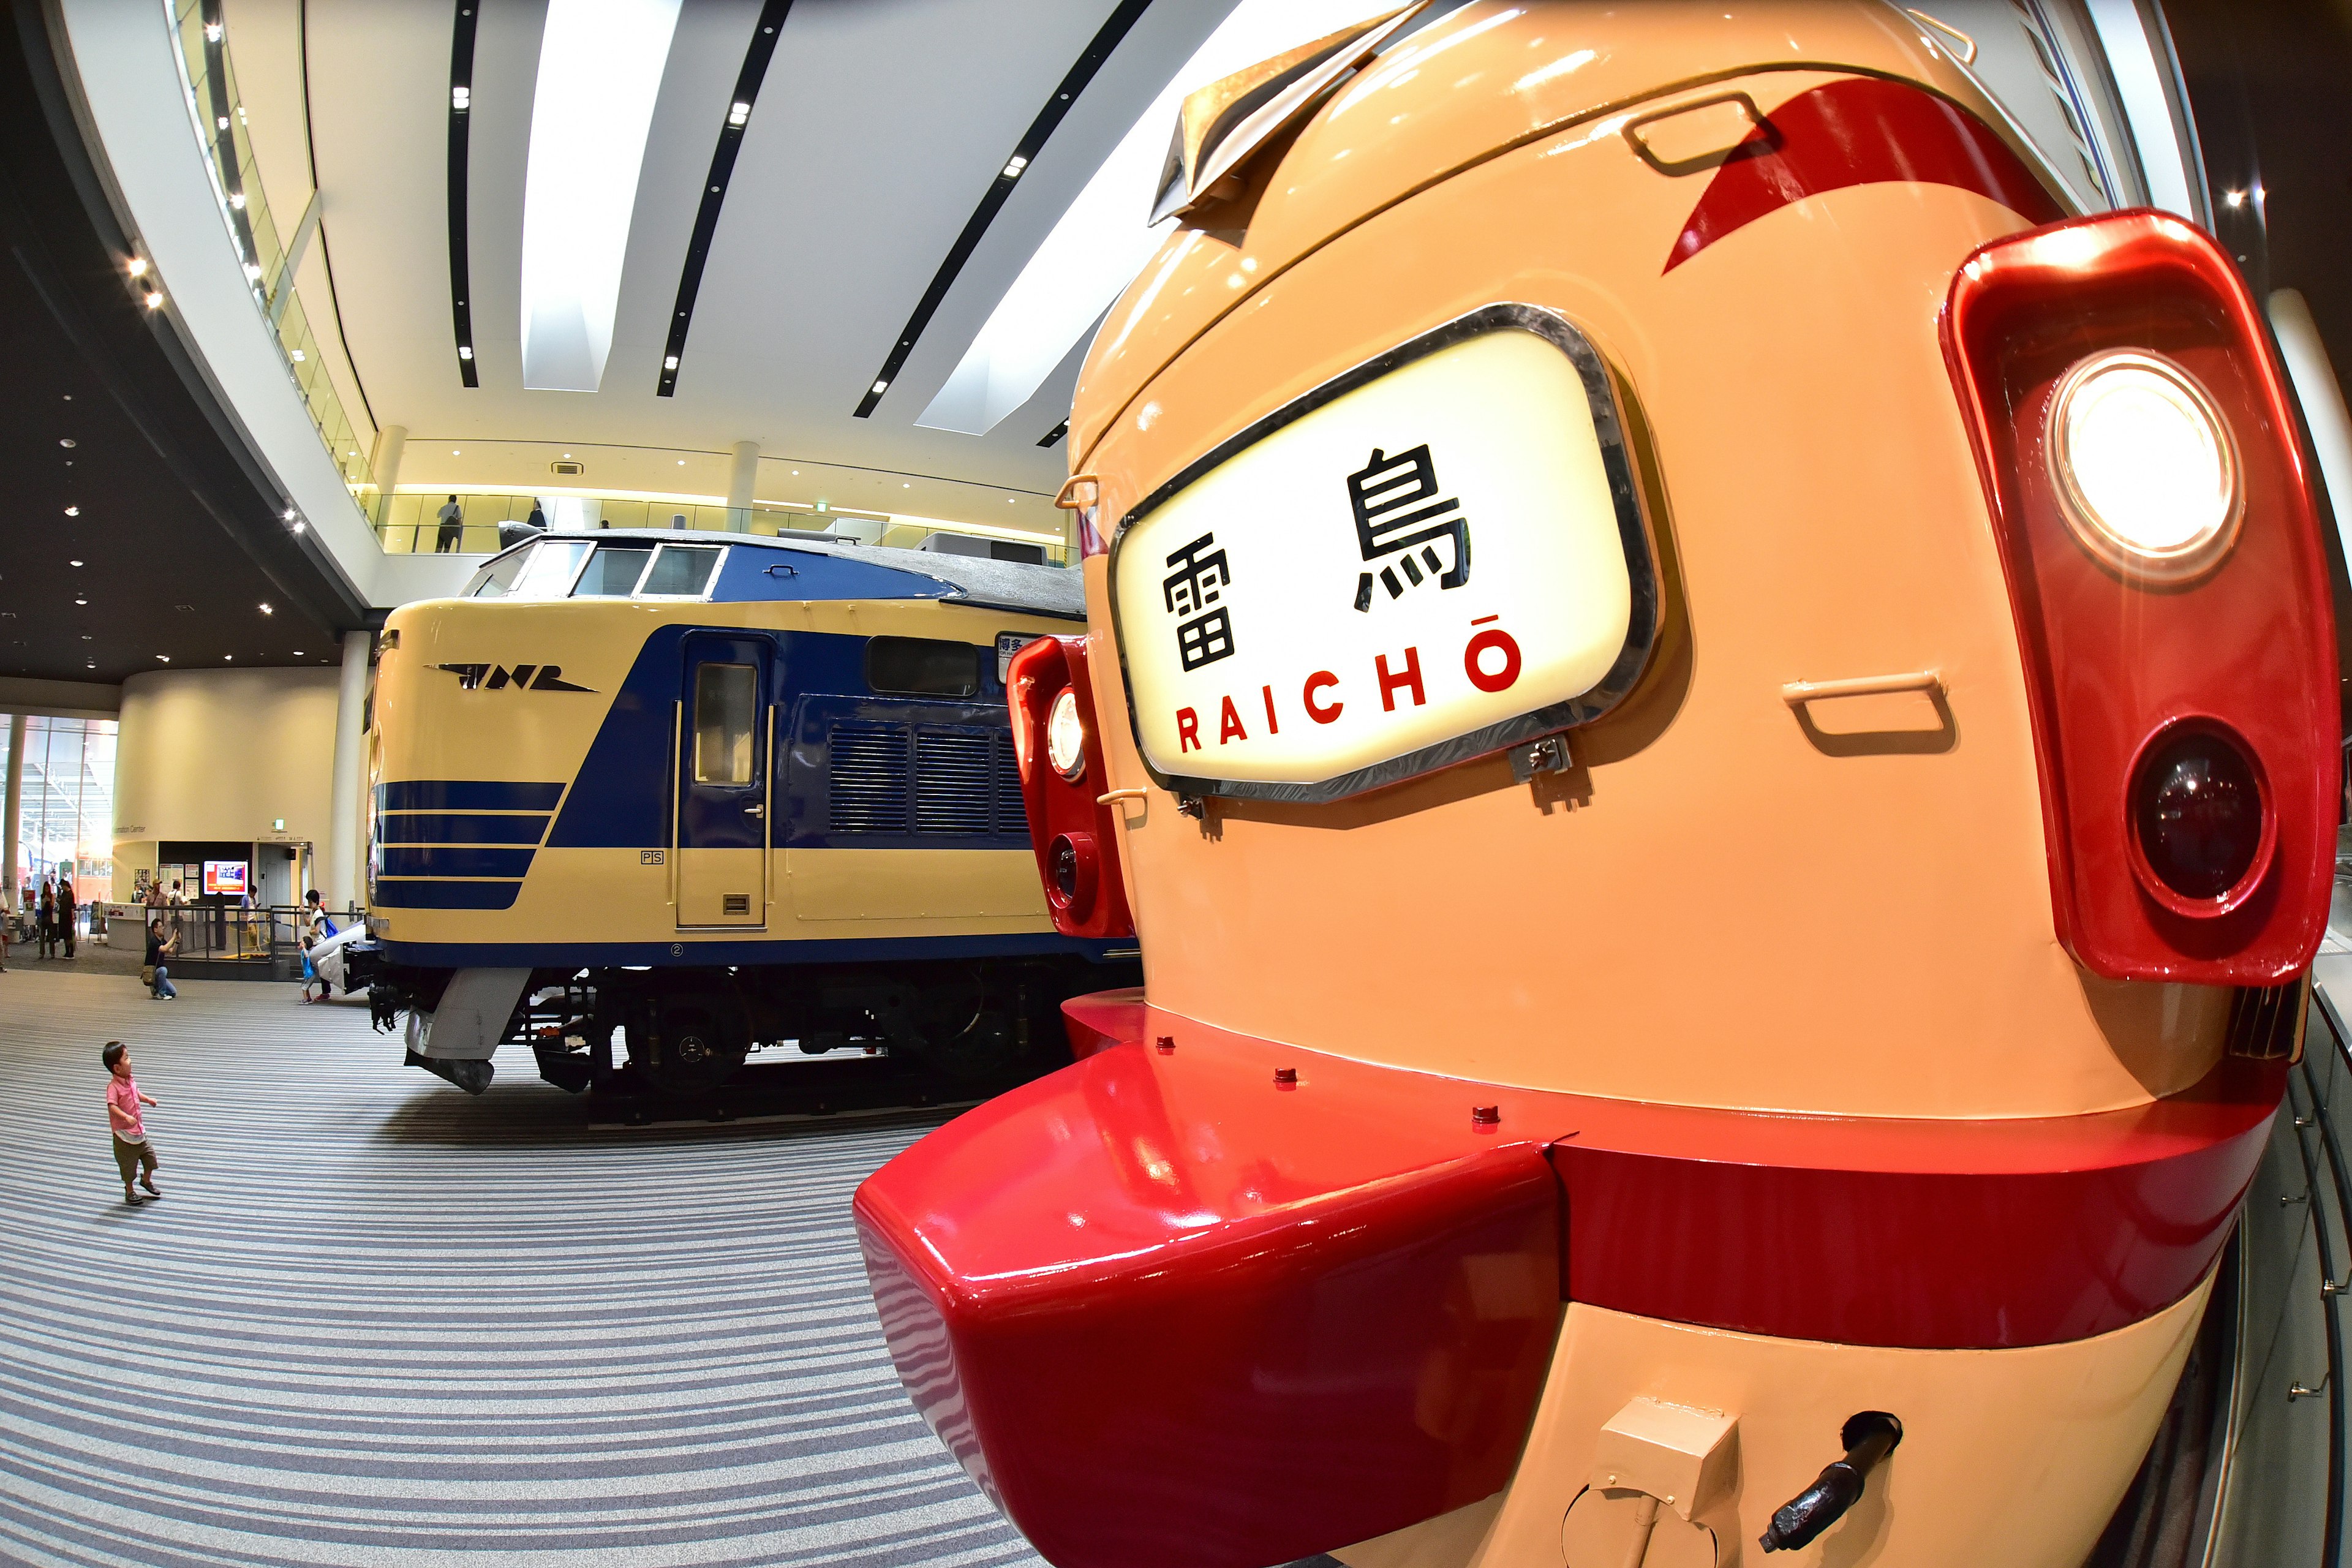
x,y
1286,1077
1166,1044
1486,1115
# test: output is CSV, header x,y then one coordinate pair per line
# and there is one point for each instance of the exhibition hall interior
x,y
1175,784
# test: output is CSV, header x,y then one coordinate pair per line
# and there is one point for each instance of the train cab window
x,y
612,572
922,666
681,571
497,580
553,563
725,698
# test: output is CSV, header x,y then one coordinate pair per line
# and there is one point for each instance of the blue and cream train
x,y
709,792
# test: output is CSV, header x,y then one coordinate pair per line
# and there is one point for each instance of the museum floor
x,y
375,1321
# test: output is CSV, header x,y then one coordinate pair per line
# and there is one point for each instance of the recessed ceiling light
x,y
298,355
287,515
165,657
881,387
907,486
737,112
154,298
79,601
298,528
136,266
267,610
670,362
227,658
73,512
236,200
73,563
298,653
465,351
461,98
681,462
87,637
66,441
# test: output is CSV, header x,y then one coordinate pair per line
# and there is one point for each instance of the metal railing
x,y
411,523
216,110
222,934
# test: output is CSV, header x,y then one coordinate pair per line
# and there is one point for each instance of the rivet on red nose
x,y
1285,1075
1167,1045
1486,1115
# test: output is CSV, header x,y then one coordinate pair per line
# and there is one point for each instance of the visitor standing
x,y
46,924
134,1152
453,528
66,909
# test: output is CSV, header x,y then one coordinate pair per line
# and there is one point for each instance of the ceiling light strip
x,y
714,188
1106,38
461,102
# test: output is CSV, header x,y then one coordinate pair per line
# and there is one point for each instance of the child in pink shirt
x,y
134,1152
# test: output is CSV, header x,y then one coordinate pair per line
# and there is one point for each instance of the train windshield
x,y
541,571
612,571
681,570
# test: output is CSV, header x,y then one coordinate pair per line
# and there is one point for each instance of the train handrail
x,y
2331,1291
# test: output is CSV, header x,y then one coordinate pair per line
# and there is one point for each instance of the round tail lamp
x,y
2146,473
2202,831
1075,867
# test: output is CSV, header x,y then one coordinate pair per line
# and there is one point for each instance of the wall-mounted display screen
x,y
226,876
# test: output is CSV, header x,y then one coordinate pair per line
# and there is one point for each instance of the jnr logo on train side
x,y
497,677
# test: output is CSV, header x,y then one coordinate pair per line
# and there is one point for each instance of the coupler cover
x,y
1218,1305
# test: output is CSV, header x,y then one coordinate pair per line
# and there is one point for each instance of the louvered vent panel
x,y
951,782
1012,812
869,778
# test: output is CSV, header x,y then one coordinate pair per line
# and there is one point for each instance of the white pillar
x,y
391,441
742,481
16,806
341,883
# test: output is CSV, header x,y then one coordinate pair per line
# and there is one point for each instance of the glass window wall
x,y
65,814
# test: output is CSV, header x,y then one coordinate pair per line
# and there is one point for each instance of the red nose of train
x,y
1313,1301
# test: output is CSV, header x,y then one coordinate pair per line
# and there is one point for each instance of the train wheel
x,y
694,1052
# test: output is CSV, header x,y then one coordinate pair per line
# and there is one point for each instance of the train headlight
x,y
2146,470
1066,736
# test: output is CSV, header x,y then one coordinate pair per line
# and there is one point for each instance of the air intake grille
x,y
869,778
896,778
1011,811
951,782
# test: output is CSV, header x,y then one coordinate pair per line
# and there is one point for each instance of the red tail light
x,y
2165,566
1059,747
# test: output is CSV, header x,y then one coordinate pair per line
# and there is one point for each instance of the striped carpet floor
x,y
376,1322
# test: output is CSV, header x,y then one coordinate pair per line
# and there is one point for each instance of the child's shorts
x,y
129,1157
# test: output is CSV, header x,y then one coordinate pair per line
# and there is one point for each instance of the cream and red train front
x,y
1718,724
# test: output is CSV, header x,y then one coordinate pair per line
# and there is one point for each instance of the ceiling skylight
x,y
1105,238
599,69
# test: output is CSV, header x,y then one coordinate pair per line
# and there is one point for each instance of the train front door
x,y
722,830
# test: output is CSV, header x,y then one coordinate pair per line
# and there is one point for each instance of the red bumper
x,y
1167,1309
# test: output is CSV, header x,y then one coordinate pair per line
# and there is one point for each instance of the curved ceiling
x,y
879,127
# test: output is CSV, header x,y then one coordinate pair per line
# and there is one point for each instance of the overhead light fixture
x,y
461,98
73,563
227,658
670,362
236,200
165,657
738,113
154,299
136,266
465,351
1102,240
287,515
600,70
456,453
881,387
212,32
253,272
67,441
73,512
267,610
222,121
298,355
81,601
299,526
1013,169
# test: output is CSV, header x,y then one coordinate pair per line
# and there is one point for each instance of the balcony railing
x,y
217,111
411,523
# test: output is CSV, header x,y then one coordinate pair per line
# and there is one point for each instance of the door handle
x,y
755,810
